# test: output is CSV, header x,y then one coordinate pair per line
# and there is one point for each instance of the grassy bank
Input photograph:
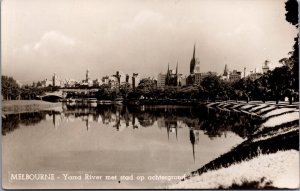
x,y
19,106
269,158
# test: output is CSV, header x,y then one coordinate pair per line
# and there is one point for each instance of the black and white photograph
x,y
150,94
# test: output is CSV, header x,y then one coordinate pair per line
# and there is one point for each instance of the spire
x,y
193,61
194,50
177,68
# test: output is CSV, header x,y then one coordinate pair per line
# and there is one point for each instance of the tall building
x,y
55,80
121,77
225,75
135,80
87,75
265,67
87,81
161,80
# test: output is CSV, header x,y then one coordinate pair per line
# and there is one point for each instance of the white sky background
x,y
40,37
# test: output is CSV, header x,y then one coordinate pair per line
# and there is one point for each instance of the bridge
x,y
62,93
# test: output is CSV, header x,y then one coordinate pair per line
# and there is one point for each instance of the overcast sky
x,y
40,37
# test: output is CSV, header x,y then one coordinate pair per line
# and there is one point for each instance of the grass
x,y
19,106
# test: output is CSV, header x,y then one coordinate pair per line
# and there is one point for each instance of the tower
x,y
168,76
193,61
225,70
54,80
244,72
265,67
87,75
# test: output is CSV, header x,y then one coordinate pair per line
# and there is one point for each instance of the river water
x,y
129,147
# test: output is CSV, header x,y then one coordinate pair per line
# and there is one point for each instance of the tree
x,y
125,89
212,86
281,83
10,88
291,6
291,16
147,87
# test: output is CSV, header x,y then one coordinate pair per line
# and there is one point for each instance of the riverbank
x,y
20,106
269,158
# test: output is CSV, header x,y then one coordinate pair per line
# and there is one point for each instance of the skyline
x,y
142,37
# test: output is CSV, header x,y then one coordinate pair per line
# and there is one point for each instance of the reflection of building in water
x,y
56,119
170,124
161,122
194,138
134,126
48,117
196,133
70,118
87,124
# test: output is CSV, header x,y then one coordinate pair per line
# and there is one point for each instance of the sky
x,y
67,37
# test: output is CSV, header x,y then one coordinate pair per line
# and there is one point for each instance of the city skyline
x,y
43,37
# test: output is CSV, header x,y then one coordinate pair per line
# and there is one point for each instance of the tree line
x,y
272,86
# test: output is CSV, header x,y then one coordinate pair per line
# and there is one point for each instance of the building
x,y
195,74
235,75
114,82
254,76
265,67
46,83
183,81
135,80
120,76
172,77
97,83
55,80
225,75
200,76
161,80
88,80
105,80
70,83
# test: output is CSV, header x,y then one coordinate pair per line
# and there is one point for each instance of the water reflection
x,y
120,139
213,123
197,119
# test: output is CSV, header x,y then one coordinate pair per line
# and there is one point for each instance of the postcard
x,y
150,94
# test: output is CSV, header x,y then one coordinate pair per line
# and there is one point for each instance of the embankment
x,y
268,158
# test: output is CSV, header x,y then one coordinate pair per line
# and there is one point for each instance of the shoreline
x,y
280,129
23,106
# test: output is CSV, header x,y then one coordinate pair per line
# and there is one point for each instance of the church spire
x,y
194,50
177,68
193,61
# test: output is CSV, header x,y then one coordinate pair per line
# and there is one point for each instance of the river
x,y
151,145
